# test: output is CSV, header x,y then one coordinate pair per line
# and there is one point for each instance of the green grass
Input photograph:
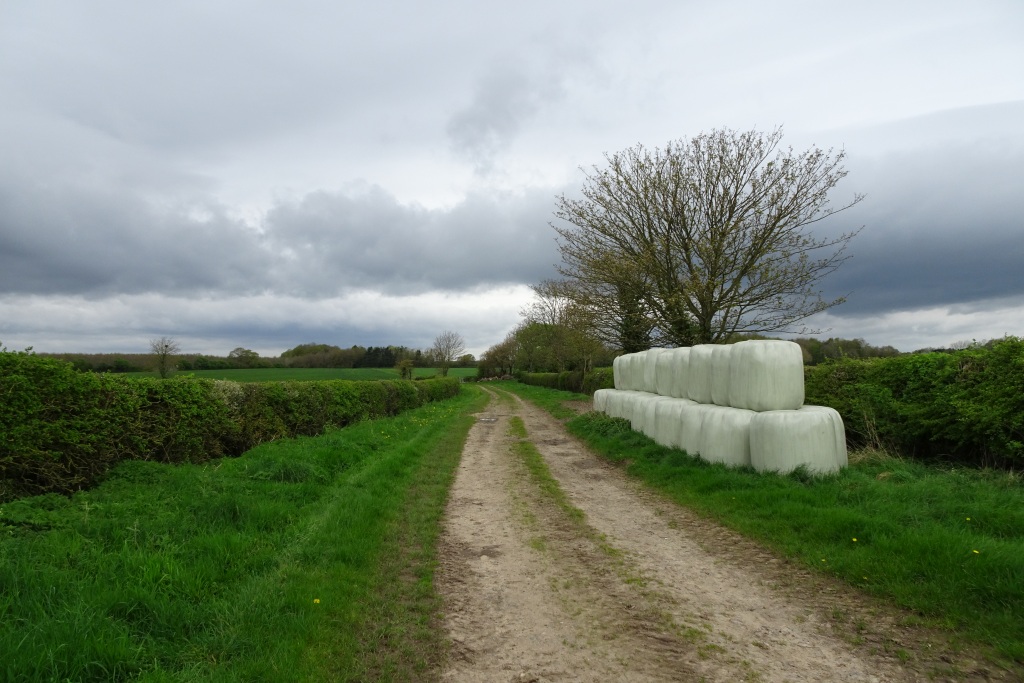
x,y
305,559
310,374
550,400
947,544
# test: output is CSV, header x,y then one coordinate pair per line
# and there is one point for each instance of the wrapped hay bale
x,y
638,420
651,369
699,379
616,372
725,435
766,375
669,421
618,405
601,399
842,458
647,419
720,377
632,371
681,379
782,440
665,372
690,431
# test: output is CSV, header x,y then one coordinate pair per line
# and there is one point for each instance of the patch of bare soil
x,y
640,589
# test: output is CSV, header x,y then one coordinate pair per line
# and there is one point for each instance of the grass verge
x,y
304,559
947,544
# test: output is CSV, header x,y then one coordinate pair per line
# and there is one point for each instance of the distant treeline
x,y
302,356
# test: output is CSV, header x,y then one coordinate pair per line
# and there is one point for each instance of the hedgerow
x,y
965,406
61,430
574,380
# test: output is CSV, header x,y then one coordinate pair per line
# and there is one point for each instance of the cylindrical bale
x,y
613,403
638,420
720,374
690,432
601,399
725,435
665,372
632,371
842,458
766,375
669,421
681,381
783,440
616,372
699,380
649,417
651,369
620,404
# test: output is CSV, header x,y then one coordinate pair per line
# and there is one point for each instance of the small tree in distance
x,y
405,368
447,347
164,348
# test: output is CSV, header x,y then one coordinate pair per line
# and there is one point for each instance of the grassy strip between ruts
x,y
948,544
305,559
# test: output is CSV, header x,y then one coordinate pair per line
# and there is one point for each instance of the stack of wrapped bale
x,y
738,404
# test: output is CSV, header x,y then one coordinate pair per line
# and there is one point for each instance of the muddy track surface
x,y
638,589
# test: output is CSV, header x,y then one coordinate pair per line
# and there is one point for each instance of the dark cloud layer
x,y
66,240
158,161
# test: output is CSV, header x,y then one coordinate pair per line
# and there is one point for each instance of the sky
x,y
266,174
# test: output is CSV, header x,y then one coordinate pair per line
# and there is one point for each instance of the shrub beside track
x,y
61,430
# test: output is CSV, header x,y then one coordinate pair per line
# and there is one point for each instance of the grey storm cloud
x,y
941,218
331,241
96,242
226,168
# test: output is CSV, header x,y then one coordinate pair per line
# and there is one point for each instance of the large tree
x,y
703,239
447,347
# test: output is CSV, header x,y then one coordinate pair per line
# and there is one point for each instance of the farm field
x,y
310,374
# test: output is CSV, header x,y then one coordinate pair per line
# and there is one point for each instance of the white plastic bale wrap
x,y
601,399
647,414
616,370
623,382
665,372
842,457
613,403
681,380
690,432
720,377
669,421
651,370
725,435
699,379
619,404
783,440
766,375
632,371
642,401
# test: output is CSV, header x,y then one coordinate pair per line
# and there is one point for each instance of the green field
x,y
305,559
310,374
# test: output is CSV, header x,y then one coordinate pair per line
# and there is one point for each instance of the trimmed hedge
x,y
963,406
575,380
61,430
